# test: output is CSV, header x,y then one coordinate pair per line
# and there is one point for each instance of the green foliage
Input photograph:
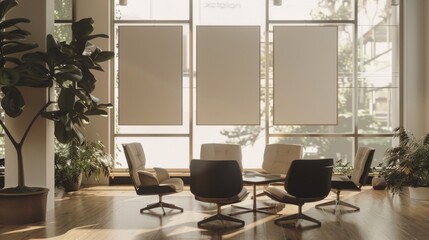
x,y
64,65
73,159
408,163
343,168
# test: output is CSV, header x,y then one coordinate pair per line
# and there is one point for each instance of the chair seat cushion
x,y
223,201
343,183
176,183
279,194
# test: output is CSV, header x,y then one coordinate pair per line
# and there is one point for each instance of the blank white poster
x,y
150,75
228,75
305,75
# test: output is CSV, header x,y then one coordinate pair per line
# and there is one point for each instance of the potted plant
x,y
407,165
73,160
65,66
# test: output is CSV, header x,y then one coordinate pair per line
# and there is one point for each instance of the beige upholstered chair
x,y
358,178
146,183
279,156
277,159
221,151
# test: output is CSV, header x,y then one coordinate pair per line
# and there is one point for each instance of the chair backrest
x,y
136,160
215,178
221,151
362,165
279,156
309,178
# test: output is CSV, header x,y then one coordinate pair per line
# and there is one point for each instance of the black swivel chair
x,y
146,183
308,180
358,178
219,182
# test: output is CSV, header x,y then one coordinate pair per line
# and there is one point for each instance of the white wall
x,y
415,102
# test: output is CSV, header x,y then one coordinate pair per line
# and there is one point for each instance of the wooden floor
x,y
113,213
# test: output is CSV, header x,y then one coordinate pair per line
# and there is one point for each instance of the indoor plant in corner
x,y
65,66
407,165
75,160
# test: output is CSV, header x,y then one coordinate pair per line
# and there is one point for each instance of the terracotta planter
x,y
419,193
23,208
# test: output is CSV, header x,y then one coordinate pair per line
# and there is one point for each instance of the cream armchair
x,y
146,183
221,151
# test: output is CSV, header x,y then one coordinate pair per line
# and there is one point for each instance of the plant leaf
x,y
13,21
82,28
66,100
8,76
6,6
12,102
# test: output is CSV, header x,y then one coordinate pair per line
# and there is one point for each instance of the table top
x,y
262,178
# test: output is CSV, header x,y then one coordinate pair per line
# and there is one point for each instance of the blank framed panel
x,y
150,75
305,75
228,75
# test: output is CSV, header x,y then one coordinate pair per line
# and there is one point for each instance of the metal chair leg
x,y
337,202
298,217
162,205
221,217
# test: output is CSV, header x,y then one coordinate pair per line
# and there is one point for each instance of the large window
x,y
368,78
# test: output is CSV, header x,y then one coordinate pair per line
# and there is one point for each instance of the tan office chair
x,y
359,177
221,151
308,180
219,182
279,156
146,183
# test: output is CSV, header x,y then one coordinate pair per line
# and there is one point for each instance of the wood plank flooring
x,y
113,213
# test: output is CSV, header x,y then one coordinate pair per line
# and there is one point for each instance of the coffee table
x,y
258,179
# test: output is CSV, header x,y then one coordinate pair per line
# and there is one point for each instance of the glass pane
x,y
345,56
63,10
378,44
152,10
251,139
229,12
338,148
159,151
380,144
378,110
378,56
62,32
311,10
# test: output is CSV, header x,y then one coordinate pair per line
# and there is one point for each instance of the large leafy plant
x,y
408,163
65,66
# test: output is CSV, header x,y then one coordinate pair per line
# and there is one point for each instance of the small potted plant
x,y
75,160
407,165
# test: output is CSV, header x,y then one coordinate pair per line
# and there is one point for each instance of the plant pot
x,y
74,186
378,183
419,193
23,208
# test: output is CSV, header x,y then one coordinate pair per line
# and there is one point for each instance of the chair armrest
x,y
147,178
161,174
